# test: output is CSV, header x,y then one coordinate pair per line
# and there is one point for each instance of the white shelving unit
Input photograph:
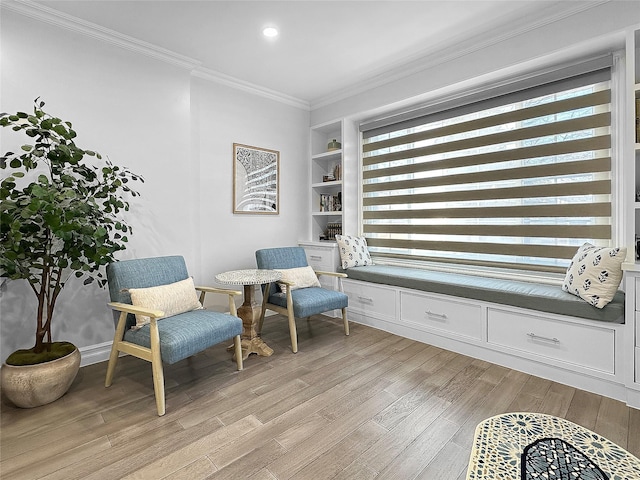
x,y
632,215
326,180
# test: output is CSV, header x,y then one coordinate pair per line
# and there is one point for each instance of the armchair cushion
x,y
172,299
188,333
312,301
300,277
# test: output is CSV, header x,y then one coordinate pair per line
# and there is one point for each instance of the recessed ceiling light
x,y
270,32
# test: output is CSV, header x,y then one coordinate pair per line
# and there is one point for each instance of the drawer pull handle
x,y
442,316
365,299
547,339
315,257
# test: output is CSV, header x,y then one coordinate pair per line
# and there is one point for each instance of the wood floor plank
x,y
583,409
368,406
198,470
385,450
613,421
276,427
450,462
421,452
633,441
334,460
557,400
304,453
182,457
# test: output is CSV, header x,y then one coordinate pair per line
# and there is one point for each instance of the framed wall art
x,y
256,176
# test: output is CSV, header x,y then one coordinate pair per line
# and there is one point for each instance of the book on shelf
x,y
330,203
333,229
637,119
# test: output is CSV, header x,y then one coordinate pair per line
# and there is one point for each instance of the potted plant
x,y
60,217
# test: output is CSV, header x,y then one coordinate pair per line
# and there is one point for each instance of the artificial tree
x,y
60,216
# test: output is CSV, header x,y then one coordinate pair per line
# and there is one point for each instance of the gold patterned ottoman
x,y
532,446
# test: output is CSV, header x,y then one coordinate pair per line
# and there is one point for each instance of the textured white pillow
x,y
172,299
595,273
301,277
353,251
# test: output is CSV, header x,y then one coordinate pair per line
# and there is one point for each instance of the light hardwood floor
x,y
371,405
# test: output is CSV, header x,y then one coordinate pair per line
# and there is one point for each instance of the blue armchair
x,y
164,339
297,302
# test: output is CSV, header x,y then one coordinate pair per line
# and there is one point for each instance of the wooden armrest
x,y
125,307
285,283
332,274
225,291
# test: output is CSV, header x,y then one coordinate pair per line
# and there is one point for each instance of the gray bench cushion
x,y
534,296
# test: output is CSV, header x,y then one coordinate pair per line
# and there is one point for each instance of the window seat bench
x,y
530,327
533,296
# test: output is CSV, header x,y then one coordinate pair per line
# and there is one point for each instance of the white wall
x,y
175,131
222,116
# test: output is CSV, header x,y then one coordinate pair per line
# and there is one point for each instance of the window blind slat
x,y
550,231
544,251
602,142
594,210
546,170
554,190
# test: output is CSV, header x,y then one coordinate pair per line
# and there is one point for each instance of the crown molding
x,y
54,17
438,54
59,19
221,78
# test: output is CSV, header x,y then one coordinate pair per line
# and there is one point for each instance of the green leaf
x,y
15,163
27,148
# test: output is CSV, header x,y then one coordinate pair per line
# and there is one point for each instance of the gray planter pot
x,y
35,385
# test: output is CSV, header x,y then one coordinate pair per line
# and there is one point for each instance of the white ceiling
x,y
324,47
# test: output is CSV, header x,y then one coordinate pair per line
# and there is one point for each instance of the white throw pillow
x,y
595,273
172,299
353,251
301,277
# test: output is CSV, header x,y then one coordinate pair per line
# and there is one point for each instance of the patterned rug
x,y
534,446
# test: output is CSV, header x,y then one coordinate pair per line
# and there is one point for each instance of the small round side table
x,y
249,312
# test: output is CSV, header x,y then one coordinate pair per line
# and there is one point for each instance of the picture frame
x,y
256,180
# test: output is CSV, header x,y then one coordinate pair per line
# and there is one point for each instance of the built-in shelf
x,y
326,181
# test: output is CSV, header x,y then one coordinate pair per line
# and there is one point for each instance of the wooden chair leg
x,y
113,357
292,323
292,330
346,322
238,351
111,366
158,385
156,368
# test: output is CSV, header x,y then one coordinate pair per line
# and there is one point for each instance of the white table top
x,y
248,277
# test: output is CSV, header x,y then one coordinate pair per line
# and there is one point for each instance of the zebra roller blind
x,y
517,180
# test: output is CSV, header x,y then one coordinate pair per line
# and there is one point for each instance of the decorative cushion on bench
x,y
533,296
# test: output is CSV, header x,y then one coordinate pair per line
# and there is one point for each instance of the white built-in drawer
x,y
371,299
321,258
449,315
637,364
584,345
637,344
637,294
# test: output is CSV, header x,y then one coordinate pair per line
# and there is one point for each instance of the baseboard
x,y
95,353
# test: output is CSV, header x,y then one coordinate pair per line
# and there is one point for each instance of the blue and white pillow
x,y
353,251
595,273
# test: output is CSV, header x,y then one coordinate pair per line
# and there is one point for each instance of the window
x,y
517,180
